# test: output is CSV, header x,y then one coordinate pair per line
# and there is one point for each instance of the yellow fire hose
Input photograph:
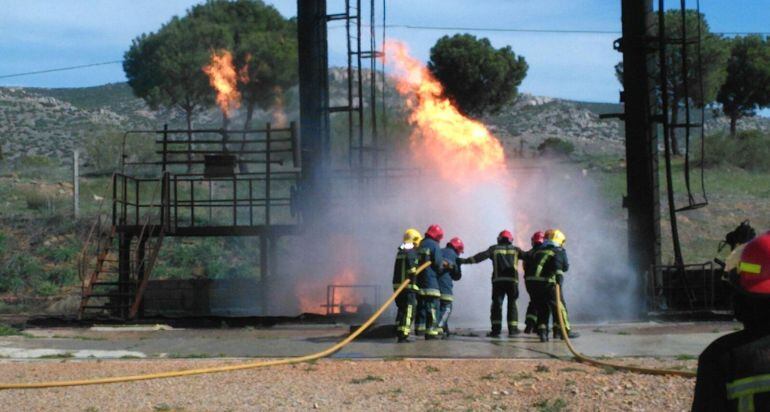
x,y
318,355
217,369
583,358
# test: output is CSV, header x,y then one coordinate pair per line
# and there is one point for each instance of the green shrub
x,y
46,288
59,253
20,270
749,150
44,202
556,146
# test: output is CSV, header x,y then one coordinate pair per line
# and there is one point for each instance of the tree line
x,y
164,67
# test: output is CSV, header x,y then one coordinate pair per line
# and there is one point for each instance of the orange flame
x,y
458,147
312,295
223,78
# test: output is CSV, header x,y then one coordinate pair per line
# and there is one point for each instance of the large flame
x,y
223,78
443,138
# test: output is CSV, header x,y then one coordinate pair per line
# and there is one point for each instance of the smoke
x,y
363,228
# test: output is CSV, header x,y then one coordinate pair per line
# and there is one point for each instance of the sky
x,y
45,34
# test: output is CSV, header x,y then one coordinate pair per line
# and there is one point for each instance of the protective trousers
x,y
501,290
445,309
427,315
554,309
540,294
406,302
531,318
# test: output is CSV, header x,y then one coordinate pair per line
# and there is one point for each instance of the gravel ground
x,y
433,384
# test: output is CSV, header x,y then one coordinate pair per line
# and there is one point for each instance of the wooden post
x,y
75,184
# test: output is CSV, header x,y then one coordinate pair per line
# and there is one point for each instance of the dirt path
x,y
540,385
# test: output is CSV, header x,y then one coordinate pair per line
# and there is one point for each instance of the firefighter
x,y
530,321
557,238
505,282
427,281
545,269
734,370
406,267
450,273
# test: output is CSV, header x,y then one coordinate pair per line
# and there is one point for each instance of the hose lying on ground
x,y
251,365
324,353
583,358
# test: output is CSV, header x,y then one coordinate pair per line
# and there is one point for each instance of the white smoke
x,y
365,226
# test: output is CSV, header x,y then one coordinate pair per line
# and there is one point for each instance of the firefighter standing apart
x,y
734,371
406,268
450,273
427,281
505,282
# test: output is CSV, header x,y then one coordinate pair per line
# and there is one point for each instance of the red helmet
x,y
754,267
435,232
457,245
538,238
505,236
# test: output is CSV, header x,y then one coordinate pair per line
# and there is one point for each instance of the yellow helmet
x,y
556,236
413,236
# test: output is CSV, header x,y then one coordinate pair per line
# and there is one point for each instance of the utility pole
x,y
75,184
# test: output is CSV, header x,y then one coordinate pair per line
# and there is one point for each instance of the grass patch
x,y
684,357
555,405
541,368
8,330
608,370
431,369
394,392
489,377
571,369
367,379
65,355
622,332
189,355
130,357
522,376
449,391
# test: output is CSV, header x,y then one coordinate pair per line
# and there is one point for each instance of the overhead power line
x,y
544,30
60,69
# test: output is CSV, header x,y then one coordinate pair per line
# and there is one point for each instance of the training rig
x,y
270,183
197,183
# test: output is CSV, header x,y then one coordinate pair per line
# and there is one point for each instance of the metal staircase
x,y
104,292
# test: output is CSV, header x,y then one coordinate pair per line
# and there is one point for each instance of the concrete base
x,y
683,340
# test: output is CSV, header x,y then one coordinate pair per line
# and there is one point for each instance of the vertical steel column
x,y
314,101
642,200
124,275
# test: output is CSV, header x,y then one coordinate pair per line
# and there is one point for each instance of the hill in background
x,y
52,122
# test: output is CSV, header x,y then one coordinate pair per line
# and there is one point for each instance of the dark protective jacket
x,y
405,267
734,373
449,273
546,263
505,259
528,261
428,280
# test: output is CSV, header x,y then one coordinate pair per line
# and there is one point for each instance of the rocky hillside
x,y
51,122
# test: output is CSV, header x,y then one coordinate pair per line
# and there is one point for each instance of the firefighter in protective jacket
x,y
450,273
505,282
734,371
406,268
427,281
545,268
530,320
